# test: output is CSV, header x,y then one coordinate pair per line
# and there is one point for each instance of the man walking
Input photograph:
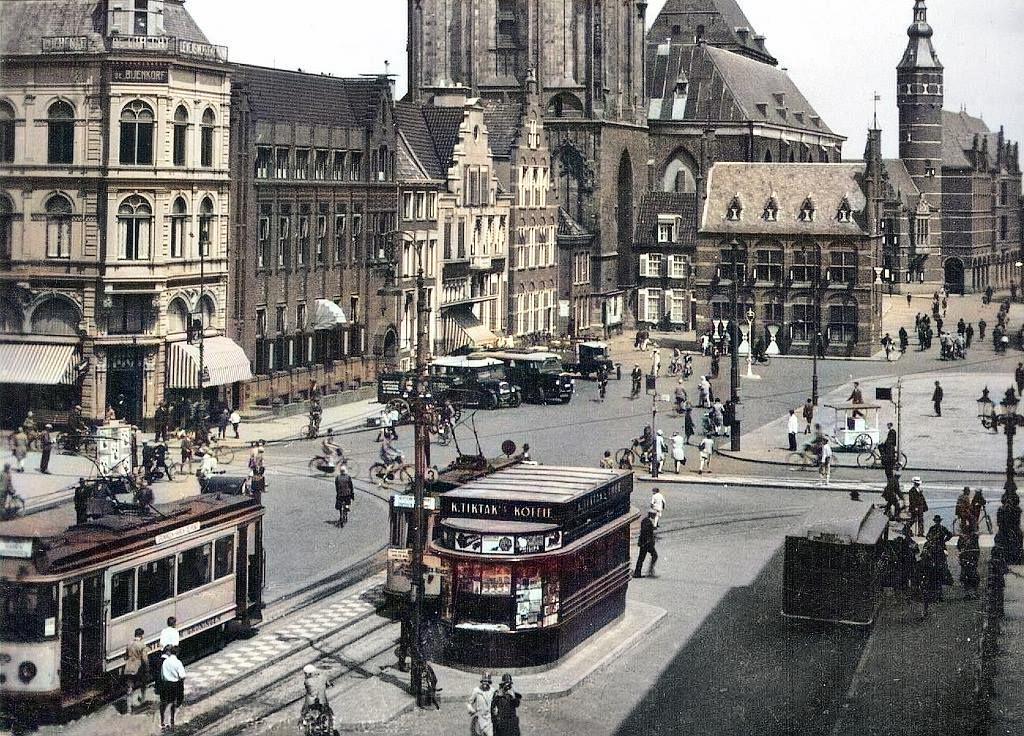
x,y
19,446
504,708
937,399
707,449
235,418
792,427
825,463
655,362
343,494
136,671
479,708
917,504
657,505
1018,377
658,461
172,686
646,544
678,450
46,444
856,397
808,413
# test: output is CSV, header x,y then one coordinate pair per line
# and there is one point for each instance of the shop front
x,y
220,367
534,559
44,378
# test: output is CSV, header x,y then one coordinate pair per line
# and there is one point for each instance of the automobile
x,y
538,374
464,380
588,358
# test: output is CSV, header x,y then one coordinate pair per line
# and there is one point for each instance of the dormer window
x,y
682,86
771,210
929,170
845,213
807,211
735,210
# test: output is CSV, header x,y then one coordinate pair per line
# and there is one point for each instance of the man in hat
x,y
343,494
917,505
657,505
660,448
314,682
46,444
479,708
646,543
937,399
891,496
504,707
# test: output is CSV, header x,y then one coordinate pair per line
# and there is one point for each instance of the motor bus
x,y
400,508
831,570
72,595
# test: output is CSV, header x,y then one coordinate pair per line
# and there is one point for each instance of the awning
x,y
223,358
39,363
326,315
475,330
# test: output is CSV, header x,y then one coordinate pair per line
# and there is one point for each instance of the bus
x,y
72,595
400,508
831,570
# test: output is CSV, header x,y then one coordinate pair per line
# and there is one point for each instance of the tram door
x,y
81,633
70,636
92,629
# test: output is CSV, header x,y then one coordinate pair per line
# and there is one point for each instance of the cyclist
x,y
316,412
331,449
207,466
687,366
391,456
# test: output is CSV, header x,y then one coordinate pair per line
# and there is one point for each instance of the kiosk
x,y
534,560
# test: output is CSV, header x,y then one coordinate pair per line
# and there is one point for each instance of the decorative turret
x,y
919,92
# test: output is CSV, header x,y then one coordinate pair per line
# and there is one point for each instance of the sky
x,y
839,52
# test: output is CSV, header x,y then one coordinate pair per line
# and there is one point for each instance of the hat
x,y
485,677
48,426
936,518
660,432
309,669
916,479
506,678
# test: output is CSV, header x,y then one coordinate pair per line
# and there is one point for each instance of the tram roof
x,y
59,543
543,483
842,521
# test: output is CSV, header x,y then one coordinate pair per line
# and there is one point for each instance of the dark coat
x,y
343,491
504,715
937,394
647,533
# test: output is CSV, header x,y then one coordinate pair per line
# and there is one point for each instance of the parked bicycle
x,y
873,459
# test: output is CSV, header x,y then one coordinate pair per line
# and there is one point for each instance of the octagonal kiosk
x,y
534,559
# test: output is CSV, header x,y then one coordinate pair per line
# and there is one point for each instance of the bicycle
x,y
317,721
13,506
630,457
873,459
319,464
804,459
385,474
223,453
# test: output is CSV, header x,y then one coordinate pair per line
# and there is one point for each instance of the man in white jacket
x,y
792,427
479,708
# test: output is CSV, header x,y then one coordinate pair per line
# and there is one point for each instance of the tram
x,y
72,595
400,508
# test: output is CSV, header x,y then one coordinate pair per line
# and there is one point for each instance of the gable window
x,y
355,166
281,168
60,133
843,267
135,228
180,135
205,226
206,139
179,222
677,267
137,134
6,133
666,232
735,210
769,266
339,234
845,213
284,223
771,211
58,227
806,211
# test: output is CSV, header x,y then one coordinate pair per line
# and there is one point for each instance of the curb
x,y
757,482
780,463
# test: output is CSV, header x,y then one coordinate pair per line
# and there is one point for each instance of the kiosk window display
x,y
534,560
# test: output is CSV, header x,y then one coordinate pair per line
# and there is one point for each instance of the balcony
x,y
480,263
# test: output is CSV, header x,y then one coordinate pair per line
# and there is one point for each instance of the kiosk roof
x,y
843,521
546,483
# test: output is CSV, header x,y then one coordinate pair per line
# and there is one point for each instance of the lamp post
x,y
1009,536
734,345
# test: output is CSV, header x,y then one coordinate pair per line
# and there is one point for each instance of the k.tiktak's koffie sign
x,y
510,509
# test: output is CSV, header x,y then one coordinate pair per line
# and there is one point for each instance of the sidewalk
x,y
41,490
345,416
1006,709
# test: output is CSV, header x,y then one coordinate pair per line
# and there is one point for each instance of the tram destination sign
x,y
510,509
17,548
182,531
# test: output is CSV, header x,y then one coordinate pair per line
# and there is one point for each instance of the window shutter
x,y
641,304
644,264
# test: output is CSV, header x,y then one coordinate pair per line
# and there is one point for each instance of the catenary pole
x,y
421,415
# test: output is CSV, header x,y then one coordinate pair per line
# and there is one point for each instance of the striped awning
x,y
41,364
478,333
223,359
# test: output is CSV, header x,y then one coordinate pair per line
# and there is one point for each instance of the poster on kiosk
x,y
114,448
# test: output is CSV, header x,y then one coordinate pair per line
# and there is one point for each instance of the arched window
x,y
206,139
55,317
60,133
679,176
58,227
205,226
179,225
6,132
207,310
137,134
180,135
135,228
177,316
6,227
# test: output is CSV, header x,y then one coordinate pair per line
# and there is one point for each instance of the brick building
x,y
114,122
314,214
798,244
588,61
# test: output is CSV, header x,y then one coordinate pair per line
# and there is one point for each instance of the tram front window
x,y
27,612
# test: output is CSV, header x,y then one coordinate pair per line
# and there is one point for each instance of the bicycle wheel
x,y
626,458
867,459
173,470
377,474
405,474
224,455
317,465
902,462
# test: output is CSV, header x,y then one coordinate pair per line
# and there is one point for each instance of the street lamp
x,y
1008,535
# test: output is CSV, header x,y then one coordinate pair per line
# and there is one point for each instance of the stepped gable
x,y
681,205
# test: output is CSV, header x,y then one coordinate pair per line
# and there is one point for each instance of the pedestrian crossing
x,y
242,657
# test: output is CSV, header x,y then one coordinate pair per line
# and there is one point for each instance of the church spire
x,y
920,53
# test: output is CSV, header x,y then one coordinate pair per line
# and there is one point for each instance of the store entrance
x,y
124,383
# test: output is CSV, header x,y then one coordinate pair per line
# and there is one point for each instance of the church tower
x,y
919,98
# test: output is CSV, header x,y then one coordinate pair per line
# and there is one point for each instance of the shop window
x,y
122,593
137,134
194,568
484,594
60,133
156,582
223,557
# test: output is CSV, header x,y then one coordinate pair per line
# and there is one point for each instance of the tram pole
x,y
421,416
